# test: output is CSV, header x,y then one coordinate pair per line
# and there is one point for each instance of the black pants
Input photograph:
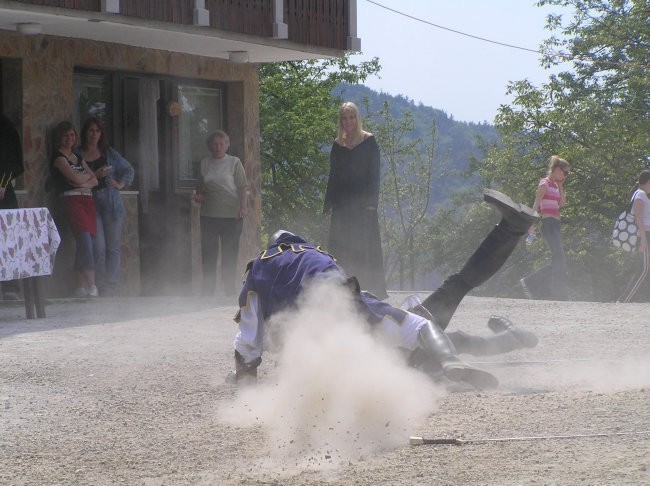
x,y
642,266
550,281
220,233
488,258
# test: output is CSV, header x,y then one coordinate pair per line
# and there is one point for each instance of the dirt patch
x,y
129,391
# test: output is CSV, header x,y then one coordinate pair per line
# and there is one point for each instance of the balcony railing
x,y
90,5
313,22
176,12
245,16
319,23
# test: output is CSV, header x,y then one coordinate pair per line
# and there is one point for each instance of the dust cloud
x,y
598,375
336,392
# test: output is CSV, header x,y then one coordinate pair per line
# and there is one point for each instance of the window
x,y
201,113
92,98
160,124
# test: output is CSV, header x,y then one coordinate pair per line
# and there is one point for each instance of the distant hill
x,y
456,140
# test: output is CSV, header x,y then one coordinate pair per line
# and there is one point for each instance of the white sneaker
x,y
92,291
80,293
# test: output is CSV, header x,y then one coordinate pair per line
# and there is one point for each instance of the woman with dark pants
x,y
550,280
641,211
222,194
114,173
73,181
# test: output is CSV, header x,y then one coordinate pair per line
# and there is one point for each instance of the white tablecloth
x,y
28,243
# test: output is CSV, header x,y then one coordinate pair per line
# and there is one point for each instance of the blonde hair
x,y
555,161
348,106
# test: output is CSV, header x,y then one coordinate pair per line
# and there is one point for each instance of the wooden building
x,y
163,74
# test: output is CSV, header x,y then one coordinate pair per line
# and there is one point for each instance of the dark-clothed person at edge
x,y
11,167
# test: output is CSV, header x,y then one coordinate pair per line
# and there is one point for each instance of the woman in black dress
x,y
352,196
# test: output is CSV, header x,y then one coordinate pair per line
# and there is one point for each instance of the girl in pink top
x,y
550,280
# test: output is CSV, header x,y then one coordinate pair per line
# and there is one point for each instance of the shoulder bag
x,y
626,233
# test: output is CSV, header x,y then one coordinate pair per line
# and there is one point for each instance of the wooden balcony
x,y
322,23
92,5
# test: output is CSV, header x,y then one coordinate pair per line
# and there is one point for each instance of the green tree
x,y
298,122
597,116
407,174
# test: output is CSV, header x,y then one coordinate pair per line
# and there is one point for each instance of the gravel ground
x,y
131,391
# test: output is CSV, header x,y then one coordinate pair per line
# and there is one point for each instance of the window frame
x,y
168,126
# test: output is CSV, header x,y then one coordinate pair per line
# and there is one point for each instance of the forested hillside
x,y
456,143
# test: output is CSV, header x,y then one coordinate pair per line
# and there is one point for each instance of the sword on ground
x,y
414,441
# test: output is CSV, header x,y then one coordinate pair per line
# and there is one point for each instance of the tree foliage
x,y
407,174
596,115
456,141
298,117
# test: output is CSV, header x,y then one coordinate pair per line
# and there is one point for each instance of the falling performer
x,y
276,277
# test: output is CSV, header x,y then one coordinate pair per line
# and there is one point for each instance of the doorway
x,y
160,125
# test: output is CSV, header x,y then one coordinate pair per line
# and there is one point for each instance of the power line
x,y
557,55
417,19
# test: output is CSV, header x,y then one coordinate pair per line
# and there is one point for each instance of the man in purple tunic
x,y
277,276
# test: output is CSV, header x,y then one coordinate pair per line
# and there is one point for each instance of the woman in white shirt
x,y
222,194
641,211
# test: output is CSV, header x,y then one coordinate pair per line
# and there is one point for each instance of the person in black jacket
x,y
11,167
352,196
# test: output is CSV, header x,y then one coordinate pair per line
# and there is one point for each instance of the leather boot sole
x,y
502,324
521,216
479,379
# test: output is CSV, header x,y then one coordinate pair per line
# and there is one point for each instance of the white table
x,y
29,240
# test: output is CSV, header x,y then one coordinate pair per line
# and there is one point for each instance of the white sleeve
x,y
402,334
249,339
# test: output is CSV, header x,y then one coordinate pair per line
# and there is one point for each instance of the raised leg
x,y
486,260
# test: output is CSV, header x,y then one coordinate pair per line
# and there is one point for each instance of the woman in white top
x,y
222,194
641,211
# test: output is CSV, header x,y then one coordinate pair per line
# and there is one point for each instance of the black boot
x,y
498,324
441,350
517,216
507,337
486,260
245,372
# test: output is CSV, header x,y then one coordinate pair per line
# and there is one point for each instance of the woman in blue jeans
x,y
73,181
114,173
550,280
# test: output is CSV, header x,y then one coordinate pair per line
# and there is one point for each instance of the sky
x,y
465,77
